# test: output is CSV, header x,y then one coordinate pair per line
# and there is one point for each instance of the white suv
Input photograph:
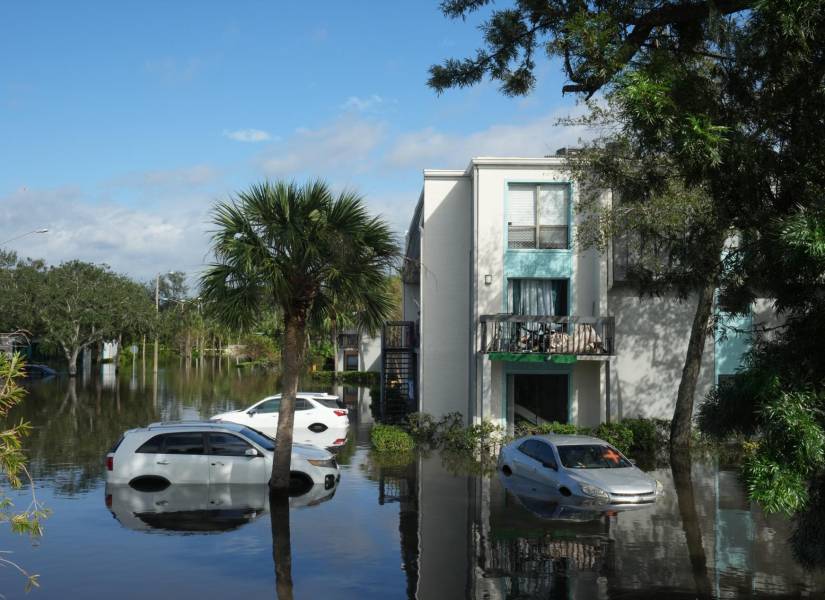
x,y
314,411
210,452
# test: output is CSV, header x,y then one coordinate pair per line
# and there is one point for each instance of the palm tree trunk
x,y
292,359
680,428
281,545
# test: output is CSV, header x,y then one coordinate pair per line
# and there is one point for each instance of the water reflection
x,y
413,526
199,508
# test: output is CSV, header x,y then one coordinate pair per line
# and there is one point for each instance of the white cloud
x,y
431,148
248,135
138,241
362,104
348,143
196,175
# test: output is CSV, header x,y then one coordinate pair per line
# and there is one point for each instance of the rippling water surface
x,y
419,526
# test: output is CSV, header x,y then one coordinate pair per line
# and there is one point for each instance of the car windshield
x,y
264,441
592,456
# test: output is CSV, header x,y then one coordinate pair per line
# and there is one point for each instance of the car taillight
x,y
110,463
339,442
340,413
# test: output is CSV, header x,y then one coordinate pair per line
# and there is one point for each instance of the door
x,y
545,466
229,463
522,460
265,416
182,458
305,414
541,398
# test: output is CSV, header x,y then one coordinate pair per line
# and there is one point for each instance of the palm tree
x,y
306,254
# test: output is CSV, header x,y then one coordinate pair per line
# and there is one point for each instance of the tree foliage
x,y
309,256
13,461
712,115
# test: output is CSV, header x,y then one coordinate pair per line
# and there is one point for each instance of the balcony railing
x,y
525,334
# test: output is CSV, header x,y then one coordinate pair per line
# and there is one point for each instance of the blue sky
x,y
123,122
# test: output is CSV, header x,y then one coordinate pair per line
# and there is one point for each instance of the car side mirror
x,y
251,412
551,466
252,452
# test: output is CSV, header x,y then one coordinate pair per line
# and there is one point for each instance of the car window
x,y
592,456
329,402
270,406
544,454
226,444
528,448
301,404
153,446
183,443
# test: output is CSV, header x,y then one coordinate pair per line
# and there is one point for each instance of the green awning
x,y
530,357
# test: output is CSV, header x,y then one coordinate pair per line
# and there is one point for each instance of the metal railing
x,y
547,334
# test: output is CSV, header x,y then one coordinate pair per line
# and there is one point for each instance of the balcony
x,y
528,334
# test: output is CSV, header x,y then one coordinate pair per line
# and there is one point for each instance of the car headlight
x,y
595,492
326,463
660,489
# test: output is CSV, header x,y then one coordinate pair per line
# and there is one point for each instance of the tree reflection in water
x,y
680,464
281,544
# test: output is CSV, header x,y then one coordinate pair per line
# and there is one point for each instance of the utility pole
x,y
157,313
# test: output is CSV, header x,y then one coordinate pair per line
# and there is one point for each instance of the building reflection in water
x,y
466,536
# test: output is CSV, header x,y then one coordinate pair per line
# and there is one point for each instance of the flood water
x,y
418,526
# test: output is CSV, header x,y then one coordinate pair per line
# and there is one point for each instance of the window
x,y
539,451
538,216
301,404
153,446
592,456
350,361
226,444
544,297
270,406
183,443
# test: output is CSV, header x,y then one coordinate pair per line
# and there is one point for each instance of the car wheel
x,y
149,483
318,427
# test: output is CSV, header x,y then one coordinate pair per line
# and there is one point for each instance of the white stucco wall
x,y
445,297
651,342
370,353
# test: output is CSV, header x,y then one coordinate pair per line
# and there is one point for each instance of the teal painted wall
x,y
730,346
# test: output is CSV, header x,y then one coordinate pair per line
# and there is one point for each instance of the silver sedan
x,y
579,466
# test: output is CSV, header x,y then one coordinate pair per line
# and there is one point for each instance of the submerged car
x,y
314,411
582,466
198,452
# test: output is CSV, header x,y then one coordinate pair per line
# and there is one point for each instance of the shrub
x,y
645,435
422,426
523,428
617,434
390,438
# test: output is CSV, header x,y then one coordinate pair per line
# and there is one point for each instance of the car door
x,y
229,462
305,414
265,416
545,466
522,459
182,458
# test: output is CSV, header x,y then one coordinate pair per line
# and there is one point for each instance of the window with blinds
x,y
538,216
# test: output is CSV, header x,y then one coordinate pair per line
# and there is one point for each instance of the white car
x,y
579,466
209,452
314,412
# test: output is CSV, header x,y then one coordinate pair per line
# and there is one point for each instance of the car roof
x,y
560,439
184,425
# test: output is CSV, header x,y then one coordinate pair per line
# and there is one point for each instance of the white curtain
x,y
532,297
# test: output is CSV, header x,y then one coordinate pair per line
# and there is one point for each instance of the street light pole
x,y
24,235
157,313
